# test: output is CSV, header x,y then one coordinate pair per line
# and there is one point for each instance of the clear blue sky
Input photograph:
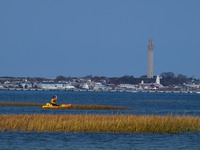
x,y
47,38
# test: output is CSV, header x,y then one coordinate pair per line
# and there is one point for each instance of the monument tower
x,y
150,58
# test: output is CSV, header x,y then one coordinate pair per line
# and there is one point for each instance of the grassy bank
x,y
99,123
82,107
19,104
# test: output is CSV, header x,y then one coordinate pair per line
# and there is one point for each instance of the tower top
x,y
151,40
150,45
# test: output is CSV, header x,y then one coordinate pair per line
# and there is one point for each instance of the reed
x,y
19,104
99,123
81,107
98,107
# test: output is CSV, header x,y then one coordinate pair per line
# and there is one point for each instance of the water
x,y
141,103
98,141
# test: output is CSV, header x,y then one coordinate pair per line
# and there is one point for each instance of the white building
x,y
84,86
130,87
98,86
151,86
55,86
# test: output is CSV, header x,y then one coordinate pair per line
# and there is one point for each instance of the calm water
x,y
141,103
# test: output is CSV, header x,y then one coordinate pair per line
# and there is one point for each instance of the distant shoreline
x,y
81,90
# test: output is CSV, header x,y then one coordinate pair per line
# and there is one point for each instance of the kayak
x,y
50,106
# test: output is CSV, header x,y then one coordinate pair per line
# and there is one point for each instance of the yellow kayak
x,y
48,105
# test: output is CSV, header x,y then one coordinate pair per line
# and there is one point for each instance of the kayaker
x,y
54,100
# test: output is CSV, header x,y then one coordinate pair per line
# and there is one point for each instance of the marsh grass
x,y
19,104
98,107
82,107
99,123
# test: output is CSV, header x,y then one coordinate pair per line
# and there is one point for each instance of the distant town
x,y
165,82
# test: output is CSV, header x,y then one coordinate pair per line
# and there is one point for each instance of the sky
x,y
48,38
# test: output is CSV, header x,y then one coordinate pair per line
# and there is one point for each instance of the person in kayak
x,y
54,101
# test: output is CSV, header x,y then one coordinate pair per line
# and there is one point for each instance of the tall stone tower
x,y
150,58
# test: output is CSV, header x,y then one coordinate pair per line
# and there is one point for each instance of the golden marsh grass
x,y
82,107
99,123
19,104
